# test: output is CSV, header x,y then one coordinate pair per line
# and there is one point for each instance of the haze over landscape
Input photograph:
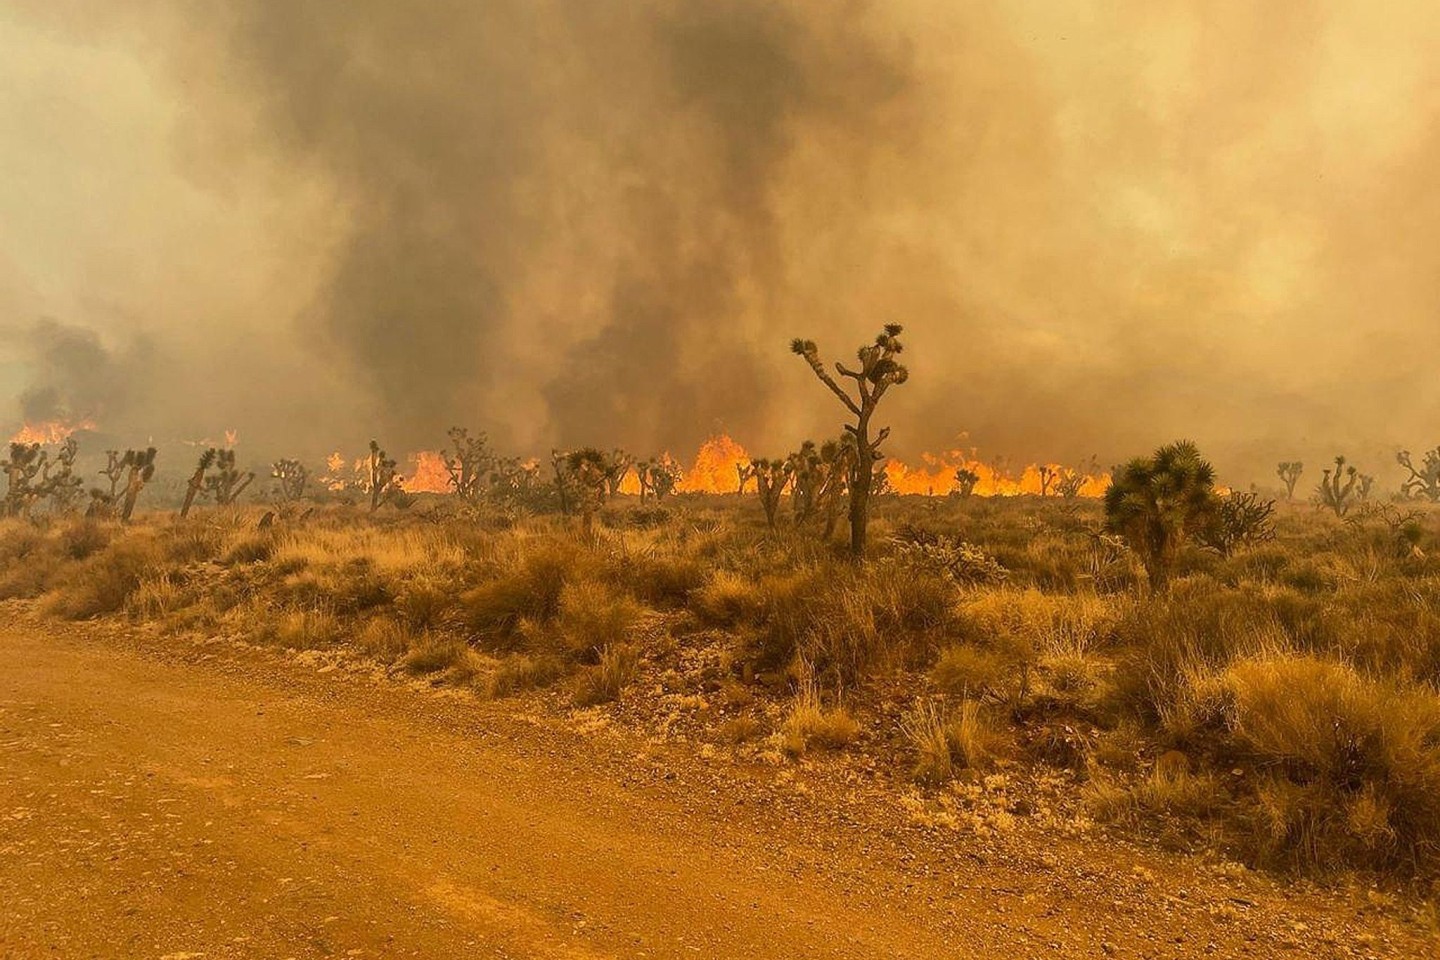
x,y
1104,225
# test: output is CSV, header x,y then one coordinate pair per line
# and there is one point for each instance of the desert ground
x,y
432,732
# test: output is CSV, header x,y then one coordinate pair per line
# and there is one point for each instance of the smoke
x,y
75,377
600,221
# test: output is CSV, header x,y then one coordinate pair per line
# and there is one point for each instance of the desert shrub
x,y
966,738
102,583
1192,628
726,599
529,589
604,682
661,580
156,596
741,729
519,672
383,638
81,539
809,723
1168,791
433,653
256,547
302,630
424,601
594,616
968,670
357,586
1351,765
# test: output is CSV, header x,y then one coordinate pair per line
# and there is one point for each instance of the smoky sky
x,y
1104,225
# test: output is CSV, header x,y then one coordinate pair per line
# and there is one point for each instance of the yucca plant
x,y
1158,503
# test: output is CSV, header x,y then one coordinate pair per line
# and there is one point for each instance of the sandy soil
x,y
217,802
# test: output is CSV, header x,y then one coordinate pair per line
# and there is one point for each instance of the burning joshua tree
x,y
381,481
469,465
292,477
658,477
877,373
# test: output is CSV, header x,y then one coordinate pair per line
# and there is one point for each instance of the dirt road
x,y
208,806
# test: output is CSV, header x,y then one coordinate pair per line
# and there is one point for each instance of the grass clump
x,y
945,743
607,679
810,724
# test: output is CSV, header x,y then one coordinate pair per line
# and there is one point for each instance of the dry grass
x,y
966,739
605,681
1309,664
810,724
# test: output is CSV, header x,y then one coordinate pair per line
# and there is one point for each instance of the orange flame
x,y
714,469
429,474
937,477
50,431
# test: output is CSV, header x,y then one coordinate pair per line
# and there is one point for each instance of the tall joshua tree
x,y
877,373
744,472
965,480
139,466
469,464
381,480
586,474
1289,473
227,482
1158,503
195,486
1337,487
26,461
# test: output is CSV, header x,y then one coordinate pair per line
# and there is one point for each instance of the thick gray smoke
x,y
600,221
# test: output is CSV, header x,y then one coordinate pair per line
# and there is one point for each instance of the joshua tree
x,y
744,471
114,470
878,371
381,480
1363,487
658,477
292,476
1422,482
1159,502
195,486
617,465
58,480
1337,487
805,479
1048,475
771,478
227,483
1289,473
468,464
585,474
965,480
139,466
26,462
1070,483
